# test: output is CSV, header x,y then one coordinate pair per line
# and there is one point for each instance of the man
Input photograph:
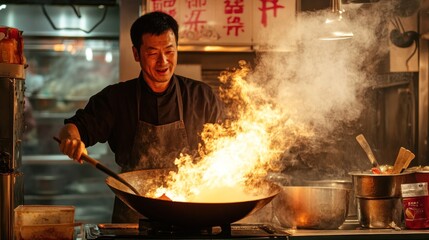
x,y
149,120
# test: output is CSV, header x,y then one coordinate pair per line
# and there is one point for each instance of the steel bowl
x,y
369,185
341,183
312,207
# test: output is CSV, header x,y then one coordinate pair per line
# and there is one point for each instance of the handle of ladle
x,y
84,157
103,168
365,146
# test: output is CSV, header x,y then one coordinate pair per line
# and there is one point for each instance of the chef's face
x,y
157,58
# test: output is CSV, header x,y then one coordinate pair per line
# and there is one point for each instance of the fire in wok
x,y
189,214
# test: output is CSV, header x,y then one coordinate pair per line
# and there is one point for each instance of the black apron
x,y
155,146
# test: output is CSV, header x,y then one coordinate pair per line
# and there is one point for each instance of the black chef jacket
x,y
111,114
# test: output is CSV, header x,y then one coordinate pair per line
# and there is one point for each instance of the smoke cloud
x,y
321,84
294,111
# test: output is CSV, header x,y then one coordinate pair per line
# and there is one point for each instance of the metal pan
x,y
185,214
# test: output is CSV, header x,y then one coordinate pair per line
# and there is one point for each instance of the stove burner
x,y
159,228
155,230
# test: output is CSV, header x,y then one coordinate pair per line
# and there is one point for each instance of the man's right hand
x,y
71,144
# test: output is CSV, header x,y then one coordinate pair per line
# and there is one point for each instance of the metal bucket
x,y
368,185
379,198
380,213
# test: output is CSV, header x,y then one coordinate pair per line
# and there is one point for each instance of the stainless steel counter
x,y
347,231
378,234
353,231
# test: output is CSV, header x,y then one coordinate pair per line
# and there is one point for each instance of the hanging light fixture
x,y
335,27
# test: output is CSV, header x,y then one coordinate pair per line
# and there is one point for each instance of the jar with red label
x,y
11,46
414,201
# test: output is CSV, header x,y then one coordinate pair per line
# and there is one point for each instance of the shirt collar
x,y
147,89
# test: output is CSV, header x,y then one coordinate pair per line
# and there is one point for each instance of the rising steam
x,y
289,100
321,84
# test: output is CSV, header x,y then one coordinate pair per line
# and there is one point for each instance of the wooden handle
x,y
404,159
400,160
410,158
103,168
365,146
84,157
89,160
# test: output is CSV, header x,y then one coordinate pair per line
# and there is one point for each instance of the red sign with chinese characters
x,y
227,22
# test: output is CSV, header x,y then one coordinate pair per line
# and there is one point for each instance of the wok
x,y
185,214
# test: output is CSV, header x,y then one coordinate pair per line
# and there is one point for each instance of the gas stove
x,y
146,229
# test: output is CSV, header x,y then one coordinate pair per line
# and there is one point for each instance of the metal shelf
x,y
43,159
64,197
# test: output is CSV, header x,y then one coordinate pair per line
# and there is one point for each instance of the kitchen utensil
x,y
103,168
400,161
186,214
312,207
409,159
338,183
370,185
365,145
404,158
380,212
379,198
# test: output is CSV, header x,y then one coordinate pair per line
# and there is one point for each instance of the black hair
x,y
153,23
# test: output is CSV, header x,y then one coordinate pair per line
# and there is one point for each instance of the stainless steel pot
x,y
186,214
380,213
312,207
339,183
369,185
379,198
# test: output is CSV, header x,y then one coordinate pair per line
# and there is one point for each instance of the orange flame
x,y
236,152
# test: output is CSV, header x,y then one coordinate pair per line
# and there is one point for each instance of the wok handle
x,y
103,168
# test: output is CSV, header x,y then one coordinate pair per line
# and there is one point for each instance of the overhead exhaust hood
x,y
63,2
335,25
63,20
